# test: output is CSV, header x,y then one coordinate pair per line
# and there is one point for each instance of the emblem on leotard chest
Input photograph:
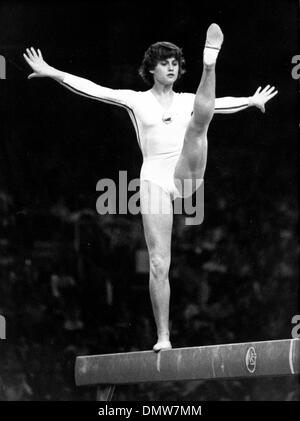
x,y
167,118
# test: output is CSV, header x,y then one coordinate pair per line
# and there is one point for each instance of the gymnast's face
x,y
166,71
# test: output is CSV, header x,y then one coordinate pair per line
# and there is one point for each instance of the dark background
x,y
69,283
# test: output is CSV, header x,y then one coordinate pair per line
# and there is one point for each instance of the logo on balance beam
x,y
251,359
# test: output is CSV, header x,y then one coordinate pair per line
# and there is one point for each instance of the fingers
x,y
266,94
257,91
29,54
270,96
265,89
273,94
268,90
27,59
271,89
39,53
33,52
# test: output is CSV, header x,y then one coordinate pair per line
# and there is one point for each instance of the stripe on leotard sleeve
x,y
230,105
231,109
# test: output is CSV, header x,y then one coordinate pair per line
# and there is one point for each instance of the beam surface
x,y
250,359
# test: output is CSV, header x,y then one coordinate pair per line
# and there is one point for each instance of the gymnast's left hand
x,y
261,97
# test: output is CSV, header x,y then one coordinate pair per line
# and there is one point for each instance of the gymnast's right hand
x,y
38,65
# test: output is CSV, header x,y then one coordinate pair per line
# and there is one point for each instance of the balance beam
x,y
238,360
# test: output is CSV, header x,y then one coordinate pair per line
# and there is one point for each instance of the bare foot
x,y
160,345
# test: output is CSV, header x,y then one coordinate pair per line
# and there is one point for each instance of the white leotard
x,y
160,133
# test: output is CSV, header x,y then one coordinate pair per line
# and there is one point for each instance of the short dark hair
x,y
160,51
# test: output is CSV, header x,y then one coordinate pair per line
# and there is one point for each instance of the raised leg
x,y
192,161
157,223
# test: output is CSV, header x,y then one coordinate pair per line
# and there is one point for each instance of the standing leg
x,y
158,222
192,161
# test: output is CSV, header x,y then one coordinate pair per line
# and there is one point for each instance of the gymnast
x,y
171,130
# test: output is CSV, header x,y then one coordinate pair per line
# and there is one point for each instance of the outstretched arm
x,y
79,85
228,105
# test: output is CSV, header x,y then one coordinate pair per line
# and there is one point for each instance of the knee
x,y
198,127
204,104
159,266
203,114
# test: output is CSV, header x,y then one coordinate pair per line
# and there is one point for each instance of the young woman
x,y
171,130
